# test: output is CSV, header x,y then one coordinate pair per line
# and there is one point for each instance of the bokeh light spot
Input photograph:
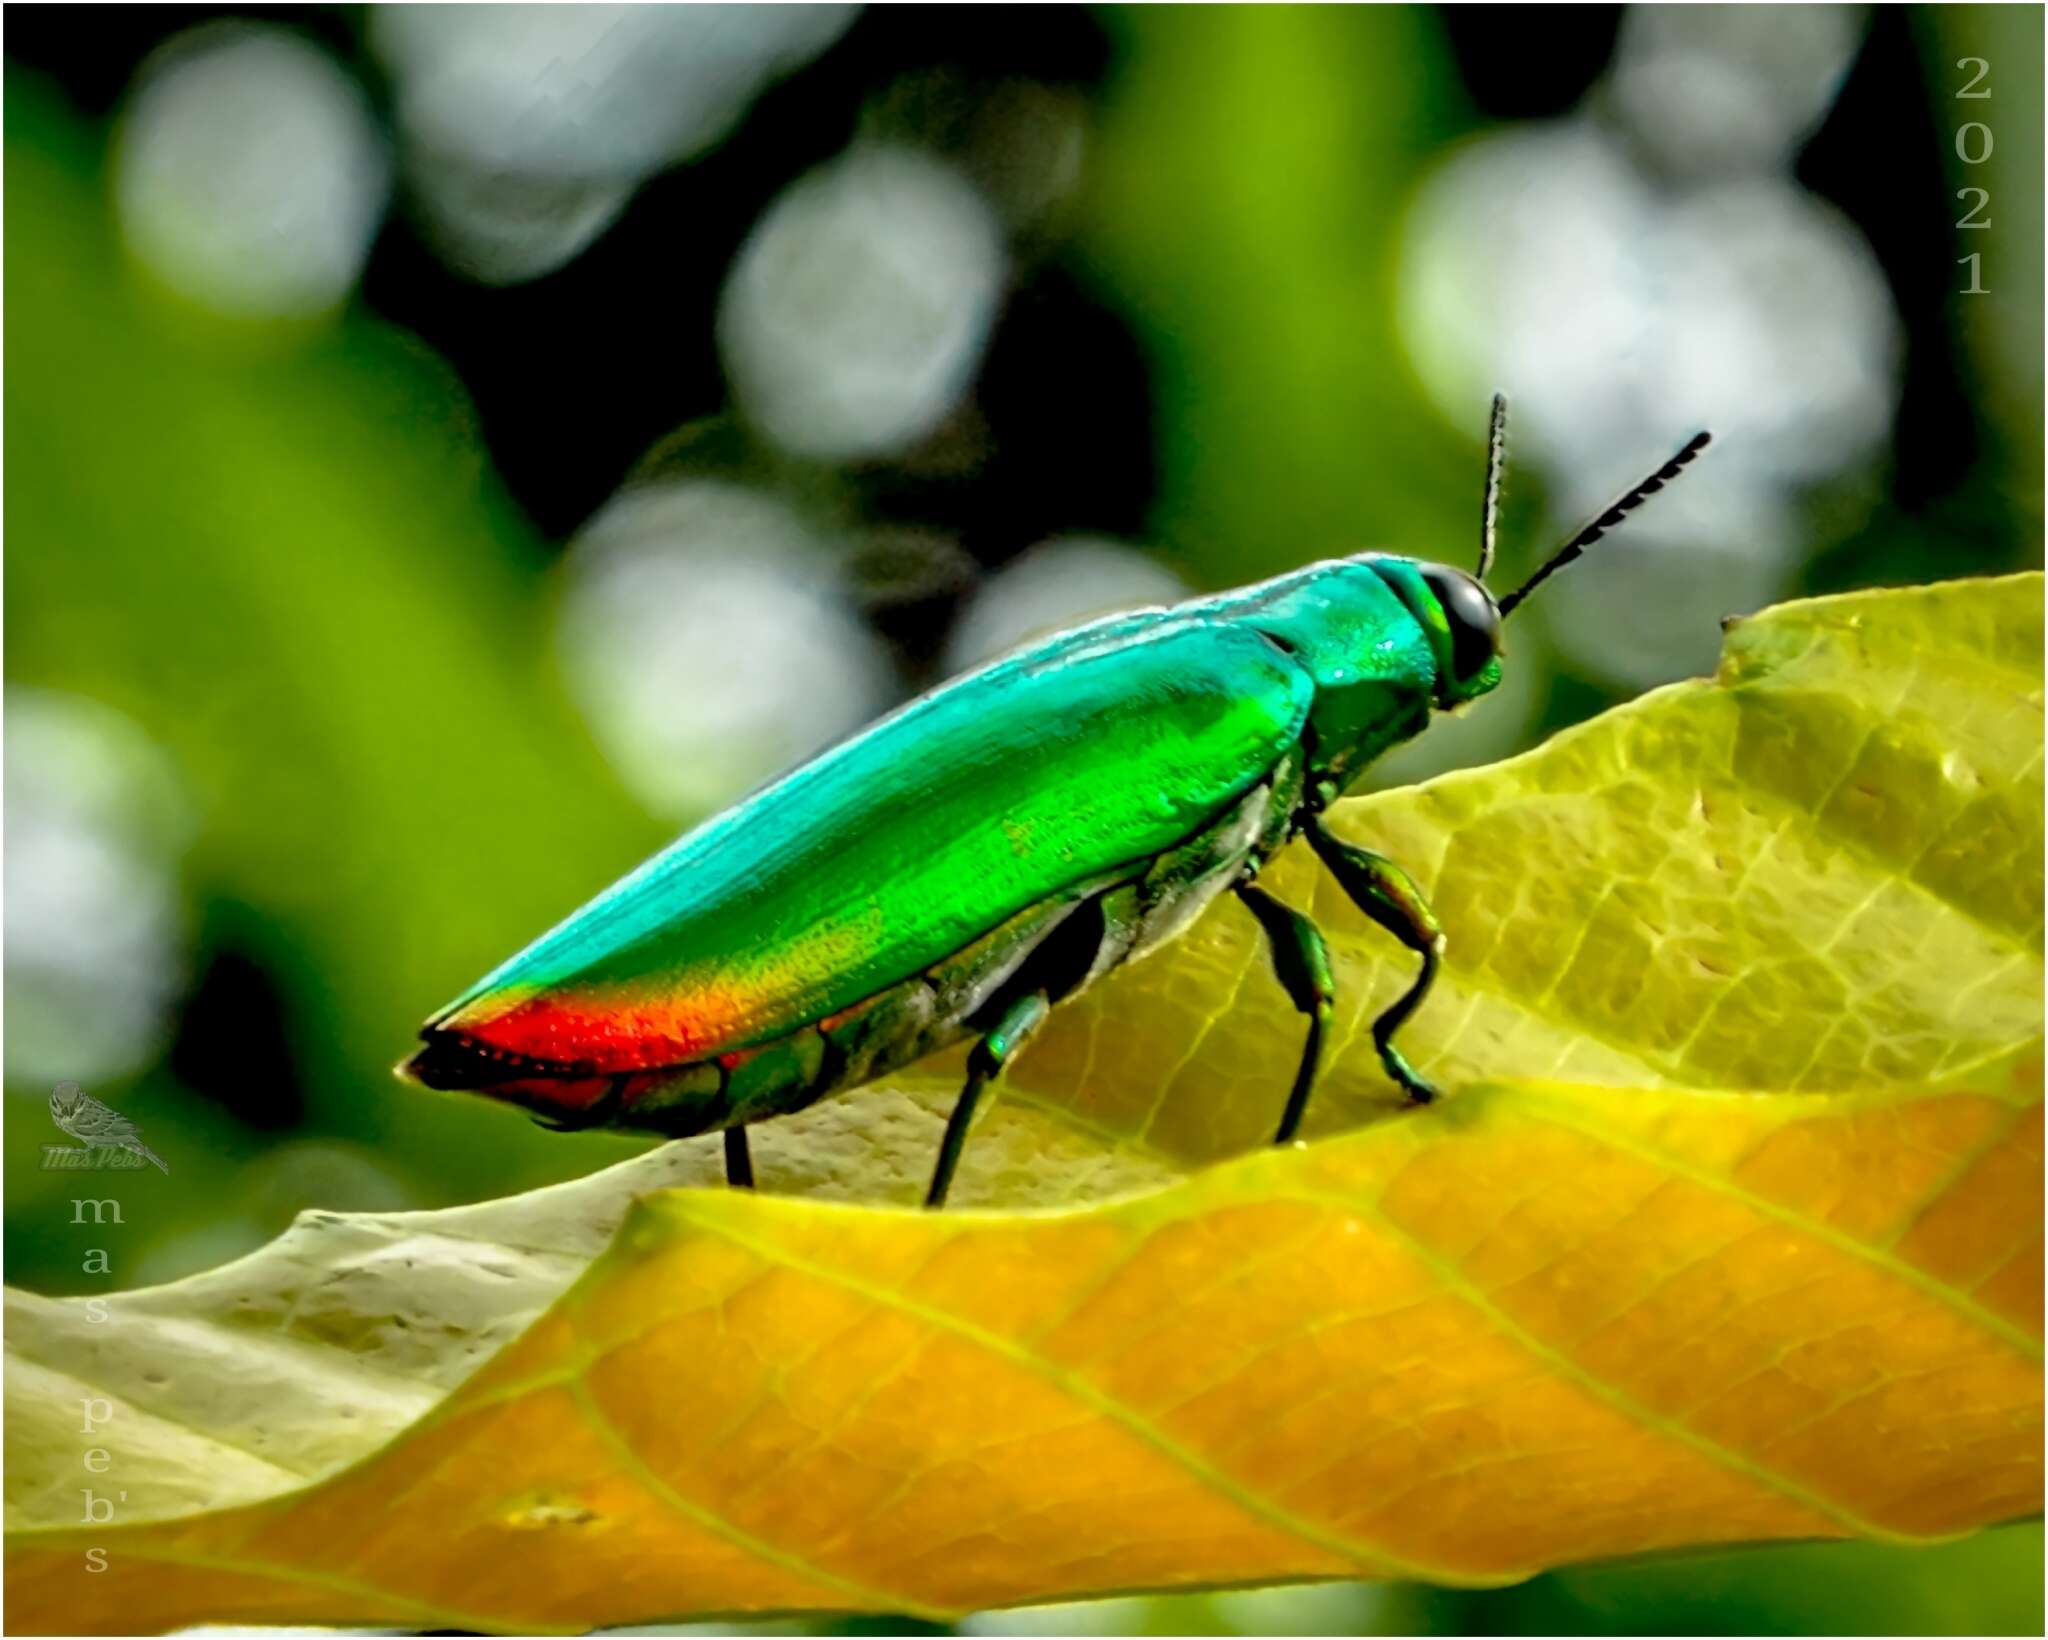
x,y
250,176
709,636
1057,584
95,936
858,309
527,128
1729,90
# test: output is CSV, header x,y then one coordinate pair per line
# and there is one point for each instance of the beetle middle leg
x,y
1014,1026
1302,961
1388,895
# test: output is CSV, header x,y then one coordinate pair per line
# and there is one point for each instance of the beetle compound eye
x,y
1473,619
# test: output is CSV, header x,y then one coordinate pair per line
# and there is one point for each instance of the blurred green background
x,y
449,450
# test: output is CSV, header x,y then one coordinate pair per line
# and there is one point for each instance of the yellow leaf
x,y
1731,1231
1544,1323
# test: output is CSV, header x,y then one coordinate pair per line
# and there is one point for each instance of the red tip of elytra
x,y
567,1033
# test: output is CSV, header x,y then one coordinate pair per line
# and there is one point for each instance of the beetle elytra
x,y
979,856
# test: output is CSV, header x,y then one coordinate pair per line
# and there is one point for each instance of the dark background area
x,y
526,351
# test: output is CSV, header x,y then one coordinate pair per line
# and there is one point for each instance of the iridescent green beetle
x,y
986,852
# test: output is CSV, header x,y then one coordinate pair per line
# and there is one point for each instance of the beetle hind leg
x,y
739,1158
1302,961
1014,1026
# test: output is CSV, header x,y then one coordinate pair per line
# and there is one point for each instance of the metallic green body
x,y
1049,816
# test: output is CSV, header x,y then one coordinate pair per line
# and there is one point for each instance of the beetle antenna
x,y
1609,518
1496,461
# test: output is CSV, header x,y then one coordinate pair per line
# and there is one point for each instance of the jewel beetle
x,y
971,861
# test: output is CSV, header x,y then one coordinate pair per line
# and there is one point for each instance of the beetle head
x,y
1474,620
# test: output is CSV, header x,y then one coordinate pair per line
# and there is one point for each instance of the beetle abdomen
x,y
883,857
881,1033
1061,945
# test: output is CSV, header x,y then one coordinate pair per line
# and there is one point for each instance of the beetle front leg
x,y
1302,961
1388,895
1015,1026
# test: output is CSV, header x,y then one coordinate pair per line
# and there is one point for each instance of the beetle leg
x,y
739,1159
1388,895
1012,1029
1302,961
